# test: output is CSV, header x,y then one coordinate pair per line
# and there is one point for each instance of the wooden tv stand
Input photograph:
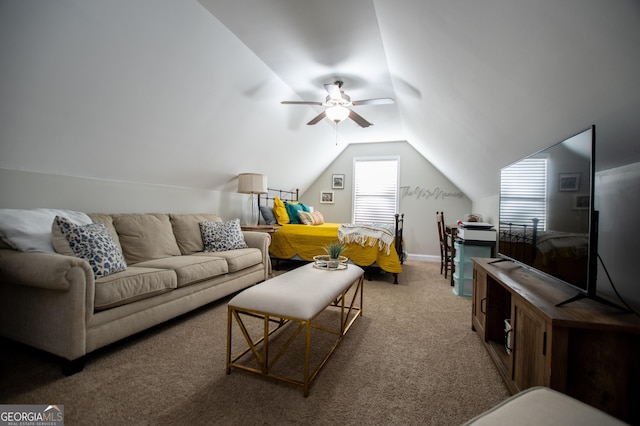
x,y
584,349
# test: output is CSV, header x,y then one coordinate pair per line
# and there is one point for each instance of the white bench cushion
x,y
300,294
543,406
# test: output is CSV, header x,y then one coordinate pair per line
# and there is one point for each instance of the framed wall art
x,y
581,202
337,181
569,182
326,197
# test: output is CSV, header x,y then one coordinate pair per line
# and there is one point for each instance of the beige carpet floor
x,y
411,360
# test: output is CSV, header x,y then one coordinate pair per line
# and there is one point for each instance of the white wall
x,y
489,208
424,190
617,198
26,190
149,91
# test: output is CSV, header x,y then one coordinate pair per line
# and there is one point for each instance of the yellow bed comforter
x,y
307,241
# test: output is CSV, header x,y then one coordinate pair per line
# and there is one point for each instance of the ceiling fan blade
x,y
359,119
334,91
317,118
377,101
301,103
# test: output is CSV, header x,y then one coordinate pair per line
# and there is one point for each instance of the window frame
x,y
386,217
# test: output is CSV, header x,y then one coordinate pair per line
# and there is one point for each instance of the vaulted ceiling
x,y
188,93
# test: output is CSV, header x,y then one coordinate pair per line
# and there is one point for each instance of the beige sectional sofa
x,y
54,301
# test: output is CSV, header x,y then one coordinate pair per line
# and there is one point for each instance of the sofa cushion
x,y
92,243
135,283
145,236
186,228
222,236
237,259
190,269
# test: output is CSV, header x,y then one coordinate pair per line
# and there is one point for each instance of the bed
x,y
561,254
371,246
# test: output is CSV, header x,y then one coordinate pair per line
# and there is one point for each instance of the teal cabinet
x,y
463,273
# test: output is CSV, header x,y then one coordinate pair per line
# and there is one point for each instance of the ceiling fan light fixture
x,y
338,106
337,113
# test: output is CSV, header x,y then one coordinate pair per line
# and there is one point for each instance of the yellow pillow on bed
x,y
280,211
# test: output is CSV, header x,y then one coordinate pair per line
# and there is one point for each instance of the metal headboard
x,y
267,199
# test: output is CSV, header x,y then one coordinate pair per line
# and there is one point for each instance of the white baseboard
x,y
423,257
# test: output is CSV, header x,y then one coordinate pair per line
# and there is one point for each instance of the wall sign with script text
x,y
419,192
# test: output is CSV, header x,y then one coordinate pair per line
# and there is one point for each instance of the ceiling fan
x,y
338,106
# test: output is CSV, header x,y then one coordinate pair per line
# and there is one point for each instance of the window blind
x,y
375,190
523,193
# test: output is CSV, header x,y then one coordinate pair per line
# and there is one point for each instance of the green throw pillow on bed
x,y
293,209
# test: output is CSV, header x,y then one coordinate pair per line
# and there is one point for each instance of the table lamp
x,y
252,183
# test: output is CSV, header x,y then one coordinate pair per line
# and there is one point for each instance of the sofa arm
x,y
262,241
46,301
40,269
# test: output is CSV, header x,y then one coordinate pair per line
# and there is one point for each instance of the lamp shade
x,y
252,183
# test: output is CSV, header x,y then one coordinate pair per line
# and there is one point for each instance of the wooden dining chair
x,y
446,247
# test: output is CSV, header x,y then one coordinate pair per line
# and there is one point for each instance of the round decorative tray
x,y
324,262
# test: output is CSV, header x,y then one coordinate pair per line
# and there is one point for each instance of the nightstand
x,y
270,229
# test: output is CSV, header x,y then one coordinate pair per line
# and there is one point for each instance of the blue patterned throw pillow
x,y
222,236
94,244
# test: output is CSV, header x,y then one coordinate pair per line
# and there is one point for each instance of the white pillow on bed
x,y
30,230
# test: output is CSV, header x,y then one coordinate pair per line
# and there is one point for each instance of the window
x,y
523,192
375,192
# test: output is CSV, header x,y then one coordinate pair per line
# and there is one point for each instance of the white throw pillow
x,y
30,230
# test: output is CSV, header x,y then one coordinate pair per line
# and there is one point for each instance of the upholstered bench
x,y
543,406
298,296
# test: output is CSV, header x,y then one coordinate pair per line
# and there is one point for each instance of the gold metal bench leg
x,y
261,356
229,340
307,356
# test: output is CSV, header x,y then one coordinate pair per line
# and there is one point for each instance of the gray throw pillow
x,y
267,215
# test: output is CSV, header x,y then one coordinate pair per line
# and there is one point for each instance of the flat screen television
x,y
547,217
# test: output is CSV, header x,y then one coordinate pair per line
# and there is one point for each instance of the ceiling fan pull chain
x,y
336,131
